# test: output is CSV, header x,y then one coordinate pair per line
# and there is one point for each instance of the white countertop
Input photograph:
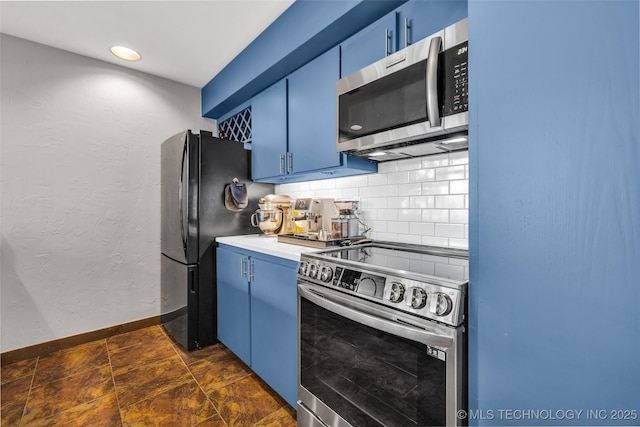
x,y
266,245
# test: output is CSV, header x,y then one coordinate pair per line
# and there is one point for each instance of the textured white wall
x,y
80,176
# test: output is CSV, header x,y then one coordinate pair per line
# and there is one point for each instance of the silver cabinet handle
x,y
250,270
289,162
243,271
432,82
387,39
407,26
281,163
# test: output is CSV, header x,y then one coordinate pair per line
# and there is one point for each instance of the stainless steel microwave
x,y
409,104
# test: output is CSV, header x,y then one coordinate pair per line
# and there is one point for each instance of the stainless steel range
x,y
382,336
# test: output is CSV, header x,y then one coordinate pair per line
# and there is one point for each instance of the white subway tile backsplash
x,y
450,230
459,243
459,216
410,214
374,202
450,173
435,161
422,228
400,202
388,167
410,164
435,215
459,158
450,202
388,214
410,238
436,187
380,190
411,189
399,227
389,237
420,200
422,175
377,179
459,187
398,177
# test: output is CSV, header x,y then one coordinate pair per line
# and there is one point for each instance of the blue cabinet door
x,y
312,114
427,17
274,326
233,304
269,131
369,44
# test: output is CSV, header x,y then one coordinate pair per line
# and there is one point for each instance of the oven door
x,y
366,365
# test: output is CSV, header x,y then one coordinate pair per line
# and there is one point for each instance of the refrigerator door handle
x,y
180,196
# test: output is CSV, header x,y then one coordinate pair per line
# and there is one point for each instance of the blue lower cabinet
x,y
274,327
257,315
233,304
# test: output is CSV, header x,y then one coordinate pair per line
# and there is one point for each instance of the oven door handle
x,y
376,318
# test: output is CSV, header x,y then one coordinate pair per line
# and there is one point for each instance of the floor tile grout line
x,y
80,404
26,401
198,383
113,380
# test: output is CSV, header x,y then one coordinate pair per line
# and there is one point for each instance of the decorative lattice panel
x,y
237,127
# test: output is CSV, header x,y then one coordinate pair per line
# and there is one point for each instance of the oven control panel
x,y
434,301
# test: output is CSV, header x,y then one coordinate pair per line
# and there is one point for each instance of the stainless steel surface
x,y
415,139
380,318
387,40
306,418
424,309
432,82
407,27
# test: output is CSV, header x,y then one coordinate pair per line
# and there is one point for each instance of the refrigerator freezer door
x,y
179,197
179,303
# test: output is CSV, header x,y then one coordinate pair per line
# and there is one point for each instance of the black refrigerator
x,y
195,169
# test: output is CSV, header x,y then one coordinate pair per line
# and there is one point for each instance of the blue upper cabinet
x,y
413,21
312,114
370,44
269,131
294,127
418,19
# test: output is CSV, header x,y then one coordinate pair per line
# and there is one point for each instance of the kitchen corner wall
x,y
421,200
80,190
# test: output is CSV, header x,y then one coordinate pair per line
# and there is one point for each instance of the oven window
x,y
367,376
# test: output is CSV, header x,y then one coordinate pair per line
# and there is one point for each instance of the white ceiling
x,y
185,41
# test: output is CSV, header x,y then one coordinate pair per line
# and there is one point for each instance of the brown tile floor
x,y
140,378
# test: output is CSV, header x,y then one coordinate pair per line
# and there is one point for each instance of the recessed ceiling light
x,y
125,53
355,127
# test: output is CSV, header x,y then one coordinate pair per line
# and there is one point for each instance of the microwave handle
x,y
433,111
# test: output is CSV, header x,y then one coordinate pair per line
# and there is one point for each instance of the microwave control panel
x,y
454,79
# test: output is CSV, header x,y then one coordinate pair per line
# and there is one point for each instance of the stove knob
x,y
326,274
440,304
303,268
367,286
397,292
417,298
313,270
